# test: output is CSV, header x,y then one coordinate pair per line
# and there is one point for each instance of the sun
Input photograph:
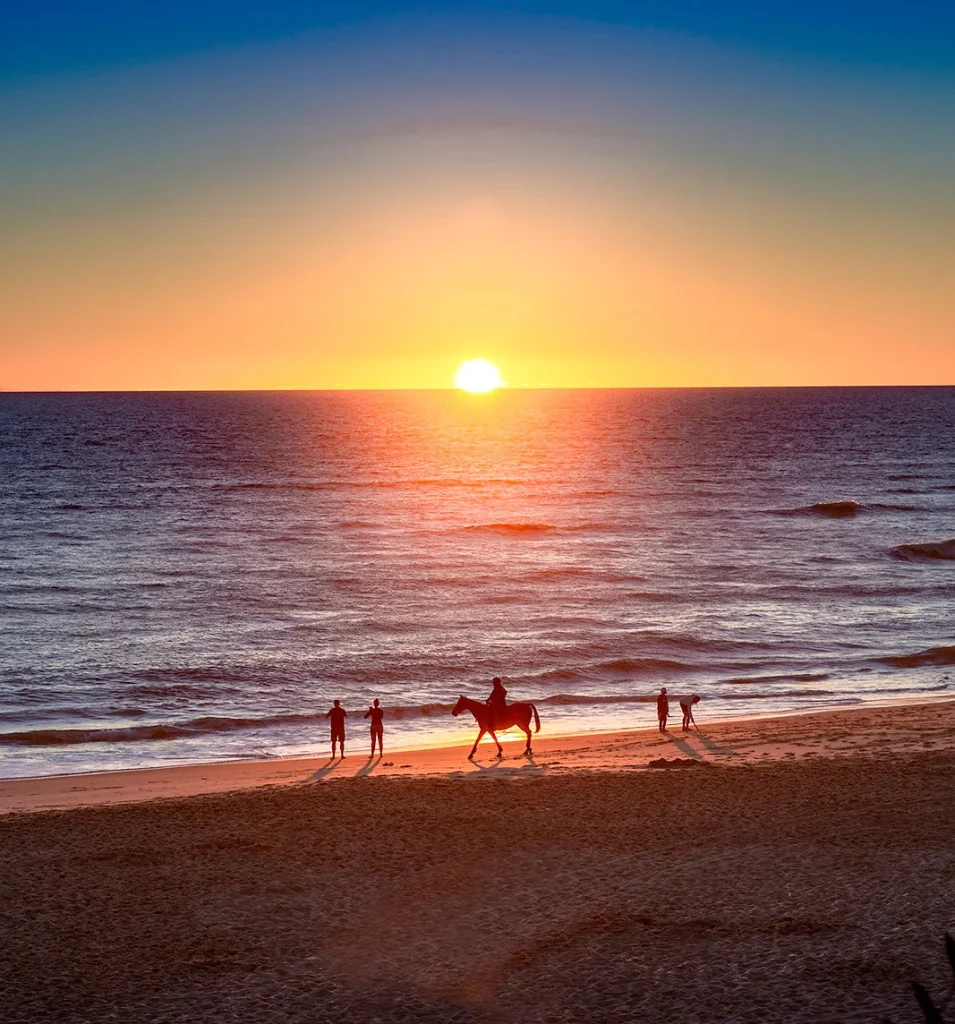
x,y
477,376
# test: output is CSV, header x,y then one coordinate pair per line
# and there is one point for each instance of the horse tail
x,y
537,718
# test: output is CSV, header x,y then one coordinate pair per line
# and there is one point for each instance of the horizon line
x,y
476,396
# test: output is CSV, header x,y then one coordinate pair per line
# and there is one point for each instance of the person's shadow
x,y
368,767
327,768
492,767
714,748
684,747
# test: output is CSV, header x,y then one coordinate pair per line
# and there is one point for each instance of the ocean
x,y
195,577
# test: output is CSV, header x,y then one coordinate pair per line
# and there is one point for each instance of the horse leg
x,y
527,749
500,749
476,742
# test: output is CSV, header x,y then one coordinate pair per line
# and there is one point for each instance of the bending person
x,y
686,706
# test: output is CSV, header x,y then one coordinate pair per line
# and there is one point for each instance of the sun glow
x,y
477,376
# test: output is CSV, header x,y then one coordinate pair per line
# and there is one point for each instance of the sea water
x,y
193,577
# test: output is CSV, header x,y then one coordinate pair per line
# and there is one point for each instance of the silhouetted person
x,y
663,709
686,704
376,714
497,699
337,714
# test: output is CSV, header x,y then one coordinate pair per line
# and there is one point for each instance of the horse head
x,y
459,707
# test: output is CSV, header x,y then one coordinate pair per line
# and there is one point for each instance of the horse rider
x,y
497,699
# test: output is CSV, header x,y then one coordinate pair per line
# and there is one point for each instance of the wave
x,y
843,509
205,726
577,572
930,551
933,656
802,677
211,725
573,698
510,529
585,699
139,733
836,509
616,666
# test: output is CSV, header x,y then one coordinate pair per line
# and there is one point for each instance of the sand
x,y
803,870
871,730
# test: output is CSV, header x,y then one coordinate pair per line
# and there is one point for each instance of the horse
x,y
518,714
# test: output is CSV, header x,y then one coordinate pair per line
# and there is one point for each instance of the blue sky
x,y
49,36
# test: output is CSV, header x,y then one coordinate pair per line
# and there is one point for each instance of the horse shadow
x,y
498,766
495,764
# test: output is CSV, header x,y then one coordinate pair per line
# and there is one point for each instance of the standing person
x,y
376,714
663,709
686,704
497,699
337,714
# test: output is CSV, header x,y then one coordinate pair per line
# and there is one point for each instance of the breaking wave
x,y
139,733
830,509
801,677
836,509
212,725
930,551
933,656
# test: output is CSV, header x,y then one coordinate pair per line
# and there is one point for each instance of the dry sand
x,y
804,872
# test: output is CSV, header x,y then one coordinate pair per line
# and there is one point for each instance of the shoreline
x,y
870,729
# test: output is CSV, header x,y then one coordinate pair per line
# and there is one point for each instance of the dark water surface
x,y
196,576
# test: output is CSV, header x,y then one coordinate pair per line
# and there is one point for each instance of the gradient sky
x,y
291,194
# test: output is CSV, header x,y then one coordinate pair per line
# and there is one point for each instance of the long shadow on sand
x,y
713,747
684,747
527,766
494,765
327,768
368,767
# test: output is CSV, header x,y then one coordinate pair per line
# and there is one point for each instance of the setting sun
x,y
477,376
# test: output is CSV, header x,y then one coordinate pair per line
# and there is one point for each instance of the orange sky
x,y
570,244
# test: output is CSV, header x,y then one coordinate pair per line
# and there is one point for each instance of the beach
x,y
796,868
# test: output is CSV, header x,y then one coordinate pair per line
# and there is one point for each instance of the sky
x,y
211,195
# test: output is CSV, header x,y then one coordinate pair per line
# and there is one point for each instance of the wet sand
x,y
802,870
868,730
